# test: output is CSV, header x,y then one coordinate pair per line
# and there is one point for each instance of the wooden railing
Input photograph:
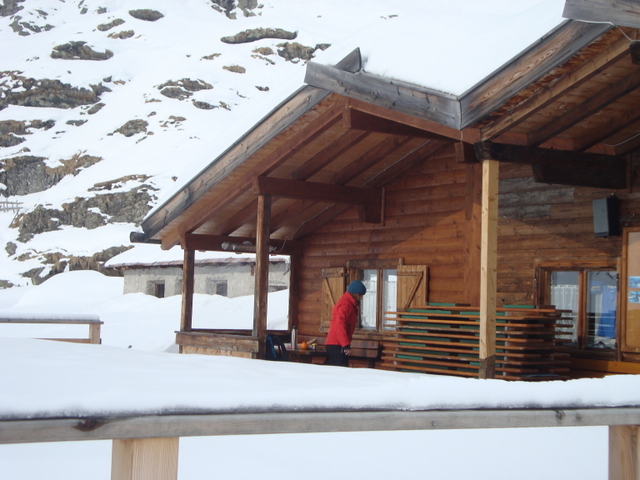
x,y
92,321
145,447
445,340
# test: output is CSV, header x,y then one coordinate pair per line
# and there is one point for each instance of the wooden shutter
x,y
413,286
333,286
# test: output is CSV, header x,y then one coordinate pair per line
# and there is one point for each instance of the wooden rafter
x,y
357,120
625,13
561,166
548,95
603,131
551,51
215,243
606,96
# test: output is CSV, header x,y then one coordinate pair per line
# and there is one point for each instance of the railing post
x,y
624,452
94,333
145,459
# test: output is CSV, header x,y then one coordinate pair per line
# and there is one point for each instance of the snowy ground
x,y
52,379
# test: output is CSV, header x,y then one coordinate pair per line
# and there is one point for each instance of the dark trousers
x,y
336,357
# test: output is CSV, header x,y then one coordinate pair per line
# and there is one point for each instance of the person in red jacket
x,y
344,318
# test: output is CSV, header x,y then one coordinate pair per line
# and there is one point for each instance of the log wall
x,y
424,224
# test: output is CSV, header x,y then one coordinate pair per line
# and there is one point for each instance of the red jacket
x,y
344,318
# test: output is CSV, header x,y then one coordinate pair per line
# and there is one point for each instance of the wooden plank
x,y
145,459
624,13
221,243
358,120
488,267
261,294
391,94
592,105
550,51
294,107
556,89
188,269
624,452
604,130
271,422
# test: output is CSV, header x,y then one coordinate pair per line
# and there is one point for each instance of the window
x,y
158,289
216,287
381,296
591,294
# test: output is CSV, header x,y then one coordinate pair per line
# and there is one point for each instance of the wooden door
x,y
413,286
333,287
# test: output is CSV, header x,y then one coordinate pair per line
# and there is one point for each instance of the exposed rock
x,y
18,90
27,28
263,51
211,57
10,7
6,284
108,26
59,262
120,207
79,51
10,140
203,105
293,52
11,129
175,92
133,127
95,108
146,14
11,248
122,35
76,123
227,7
262,89
255,34
235,68
118,182
182,89
28,174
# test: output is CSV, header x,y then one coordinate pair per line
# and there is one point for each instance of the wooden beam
x,y
216,243
624,452
549,52
556,89
623,13
319,192
465,153
188,269
355,119
602,131
561,166
145,459
606,96
255,139
192,424
261,294
488,267
394,95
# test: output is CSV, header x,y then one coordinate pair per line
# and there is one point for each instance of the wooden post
x,y
488,268
145,459
188,267
263,228
472,228
624,452
94,333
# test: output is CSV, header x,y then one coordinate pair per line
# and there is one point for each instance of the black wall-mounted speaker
x,y
606,217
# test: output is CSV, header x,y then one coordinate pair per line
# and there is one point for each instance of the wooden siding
x,y
424,224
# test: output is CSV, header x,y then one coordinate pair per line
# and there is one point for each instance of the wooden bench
x,y
93,321
364,353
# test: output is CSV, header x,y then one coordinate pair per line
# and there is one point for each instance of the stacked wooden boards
x,y
445,340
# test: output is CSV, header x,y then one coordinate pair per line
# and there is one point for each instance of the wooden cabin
x,y
523,191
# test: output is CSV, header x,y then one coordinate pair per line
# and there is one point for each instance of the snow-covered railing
x,y
146,446
93,321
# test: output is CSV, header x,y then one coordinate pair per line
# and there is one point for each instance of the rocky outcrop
x,y
182,89
228,7
10,7
235,68
58,262
28,174
79,51
112,24
255,34
90,213
10,130
24,29
122,35
294,51
16,89
132,127
146,14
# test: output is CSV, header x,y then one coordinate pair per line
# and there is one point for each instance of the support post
x,y
145,459
94,333
624,452
188,267
472,221
488,267
263,228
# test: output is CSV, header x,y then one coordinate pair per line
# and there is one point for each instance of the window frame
x,y
355,269
543,273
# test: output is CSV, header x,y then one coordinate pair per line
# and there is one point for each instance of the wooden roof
x,y
568,106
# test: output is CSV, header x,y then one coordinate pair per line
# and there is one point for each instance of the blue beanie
x,y
357,287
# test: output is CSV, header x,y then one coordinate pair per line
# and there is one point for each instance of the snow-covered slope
x,y
104,104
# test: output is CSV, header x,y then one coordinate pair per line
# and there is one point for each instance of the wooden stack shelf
x,y
444,339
